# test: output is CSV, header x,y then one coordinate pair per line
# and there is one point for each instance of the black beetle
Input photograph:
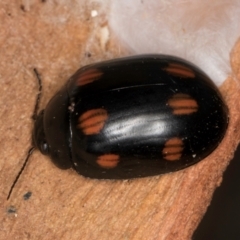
x,y
132,117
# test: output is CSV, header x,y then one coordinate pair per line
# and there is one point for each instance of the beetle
x,y
132,117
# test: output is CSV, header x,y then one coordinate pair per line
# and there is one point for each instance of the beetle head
x,y
39,138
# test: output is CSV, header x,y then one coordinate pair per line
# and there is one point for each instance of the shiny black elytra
x,y
132,117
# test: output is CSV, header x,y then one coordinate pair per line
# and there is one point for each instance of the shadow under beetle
x,y
132,117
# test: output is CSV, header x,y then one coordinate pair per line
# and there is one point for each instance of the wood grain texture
x,y
57,40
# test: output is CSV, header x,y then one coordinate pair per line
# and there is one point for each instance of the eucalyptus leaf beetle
x,y
132,117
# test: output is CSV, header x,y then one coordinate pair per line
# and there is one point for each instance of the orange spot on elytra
x,y
179,70
173,148
108,160
182,104
89,76
92,121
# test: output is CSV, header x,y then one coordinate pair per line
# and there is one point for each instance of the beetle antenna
x,y
30,151
34,116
